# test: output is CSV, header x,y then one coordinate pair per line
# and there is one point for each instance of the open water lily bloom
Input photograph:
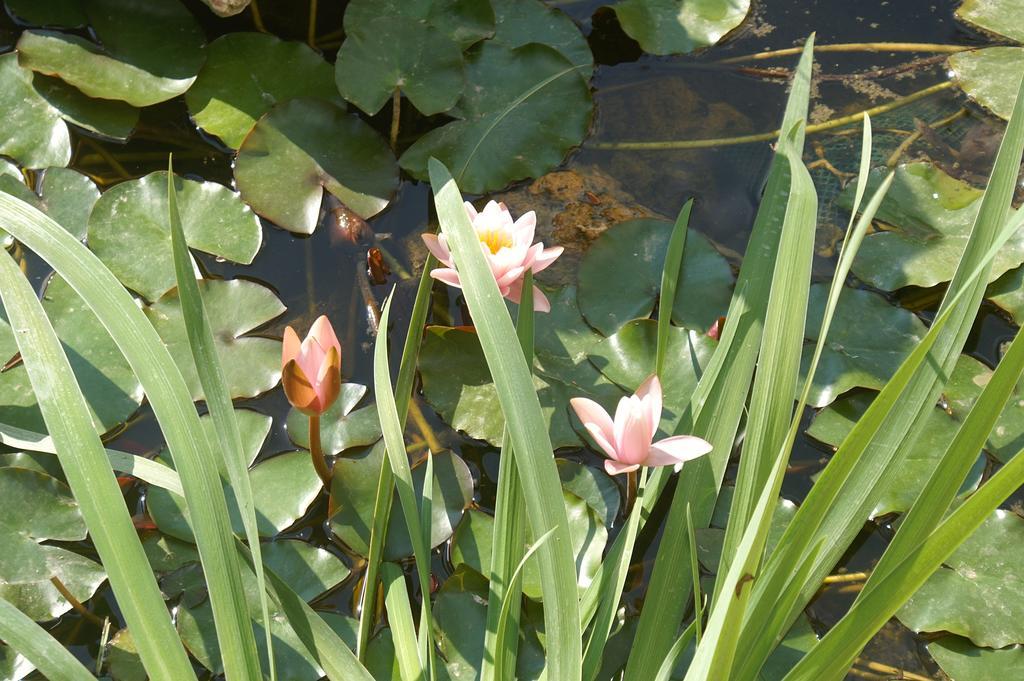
x,y
311,370
628,438
509,249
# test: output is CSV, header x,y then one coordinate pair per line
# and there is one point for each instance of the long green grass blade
x,y
218,399
396,598
91,479
40,648
509,529
507,630
670,282
394,440
668,664
717,405
172,404
529,436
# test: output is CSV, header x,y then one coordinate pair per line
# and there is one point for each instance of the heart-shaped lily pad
x,y
931,214
35,507
354,491
56,13
464,21
248,73
65,195
128,229
521,22
151,51
106,117
110,387
340,427
303,147
620,277
969,595
679,26
963,661
982,75
867,342
523,109
251,364
35,134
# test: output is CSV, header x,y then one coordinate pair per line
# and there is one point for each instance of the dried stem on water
x,y
850,47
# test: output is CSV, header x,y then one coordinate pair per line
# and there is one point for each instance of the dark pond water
x,y
638,98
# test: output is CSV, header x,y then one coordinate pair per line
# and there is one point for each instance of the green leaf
x,y
982,75
620,277
151,51
1002,17
308,570
710,539
354,490
107,118
867,342
65,195
251,364
1008,293
340,427
246,74
523,110
61,13
464,21
36,135
521,22
128,229
39,647
39,506
592,485
962,661
679,26
303,147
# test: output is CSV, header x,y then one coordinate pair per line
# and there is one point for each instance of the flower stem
x,y
396,115
316,452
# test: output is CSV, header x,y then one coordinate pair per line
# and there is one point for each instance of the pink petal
x,y
524,228
540,301
592,413
674,450
513,274
632,431
546,257
291,347
649,393
470,210
607,447
324,334
613,467
446,276
437,249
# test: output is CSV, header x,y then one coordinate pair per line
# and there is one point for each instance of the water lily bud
x,y
311,370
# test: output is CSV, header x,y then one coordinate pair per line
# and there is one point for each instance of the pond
x,y
632,121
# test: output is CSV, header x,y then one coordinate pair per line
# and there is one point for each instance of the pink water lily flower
x,y
627,440
311,369
509,249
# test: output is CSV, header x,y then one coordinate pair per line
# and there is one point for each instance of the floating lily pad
x,y
963,389
65,195
166,554
460,617
592,485
35,134
57,13
867,342
283,487
522,111
108,383
151,51
303,147
964,661
123,661
340,427
969,595
982,75
931,215
904,482
521,22
129,232
473,543
679,26
1008,293
106,117
354,492
308,570
1002,17
251,364
710,540
620,277
48,464
464,21
246,74
392,48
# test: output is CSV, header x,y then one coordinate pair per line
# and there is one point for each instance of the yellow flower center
x,y
495,239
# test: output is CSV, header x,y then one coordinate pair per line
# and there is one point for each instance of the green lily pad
x,y
35,134
107,381
308,570
522,111
620,277
129,232
246,74
1002,17
965,385
867,342
303,147
123,661
679,26
107,118
251,364
464,21
963,661
460,618
340,427
592,485
982,75
1007,292
151,51
969,595
931,214
392,48
473,542
47,464
283,488
13,665
65,195
39,506
710,540
59,13
903,483
166,554
354,491
521,22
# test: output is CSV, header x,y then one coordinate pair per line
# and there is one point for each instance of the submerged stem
x,y
316,452
396,114
850,47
